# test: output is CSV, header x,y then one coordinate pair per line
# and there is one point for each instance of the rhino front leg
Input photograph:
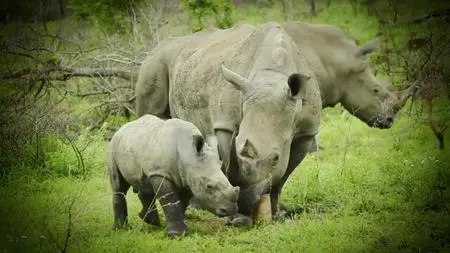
x,y
298,151
185,198
167,195
227,152
224,138
149,213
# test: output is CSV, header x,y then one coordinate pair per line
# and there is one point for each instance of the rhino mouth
x,y
381,122
250,196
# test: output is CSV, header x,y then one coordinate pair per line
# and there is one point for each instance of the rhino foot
x,y
175,234
238,220
121,226
176,230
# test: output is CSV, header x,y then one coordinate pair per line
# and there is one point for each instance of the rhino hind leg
x,y
149,213
152,89
172,205
119,187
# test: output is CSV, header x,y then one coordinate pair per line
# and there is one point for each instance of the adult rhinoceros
x,y
263,91
344,75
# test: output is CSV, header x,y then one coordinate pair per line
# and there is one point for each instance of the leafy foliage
x,y
111,14
221,10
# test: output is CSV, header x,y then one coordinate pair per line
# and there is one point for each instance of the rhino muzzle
x,y
226,211
381,122
250,196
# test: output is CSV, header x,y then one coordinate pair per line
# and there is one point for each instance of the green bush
x,y
112,15
200,10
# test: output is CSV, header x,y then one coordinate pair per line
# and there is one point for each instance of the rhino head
x,y
370,99
208,183
260,151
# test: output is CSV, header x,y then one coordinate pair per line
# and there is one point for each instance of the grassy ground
x,y
369,190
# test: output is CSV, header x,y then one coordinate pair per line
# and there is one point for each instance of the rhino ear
x,y
198,143
368,48
248,150
240,82
295,82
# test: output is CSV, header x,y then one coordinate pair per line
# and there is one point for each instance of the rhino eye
x,y
274,158
209,186
375,90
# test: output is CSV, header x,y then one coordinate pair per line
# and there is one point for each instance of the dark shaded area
x,y
29,11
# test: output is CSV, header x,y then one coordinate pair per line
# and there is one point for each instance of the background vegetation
x,y
67,80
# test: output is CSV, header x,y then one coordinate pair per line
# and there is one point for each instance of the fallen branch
x,y
434,14
60,73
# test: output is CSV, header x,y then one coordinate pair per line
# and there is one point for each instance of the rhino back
x,y
201,95
145,147
168,49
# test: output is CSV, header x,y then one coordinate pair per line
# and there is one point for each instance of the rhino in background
x,y
248,82
168,160
344,74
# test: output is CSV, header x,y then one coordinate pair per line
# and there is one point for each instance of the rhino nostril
x,y
221,211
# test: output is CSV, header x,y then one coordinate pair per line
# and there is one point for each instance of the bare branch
x,y
434,14
59,73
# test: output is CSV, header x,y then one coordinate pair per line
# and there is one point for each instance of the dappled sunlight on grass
x,y
381,199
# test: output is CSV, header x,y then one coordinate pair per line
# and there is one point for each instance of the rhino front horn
x,y
368,48
240,82
404,95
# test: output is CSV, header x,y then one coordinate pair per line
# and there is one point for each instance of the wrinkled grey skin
x,y
263,92
168,160
344,74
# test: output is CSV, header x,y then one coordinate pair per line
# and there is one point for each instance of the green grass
x,y
391,195
369,190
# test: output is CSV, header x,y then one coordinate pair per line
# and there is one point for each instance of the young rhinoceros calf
x,y
169,160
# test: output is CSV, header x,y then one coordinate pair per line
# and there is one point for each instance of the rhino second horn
x,y
236,190
240,82
368,48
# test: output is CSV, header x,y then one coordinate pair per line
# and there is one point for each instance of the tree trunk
x,y
312,7
286,10
438,133
62,8
370,7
